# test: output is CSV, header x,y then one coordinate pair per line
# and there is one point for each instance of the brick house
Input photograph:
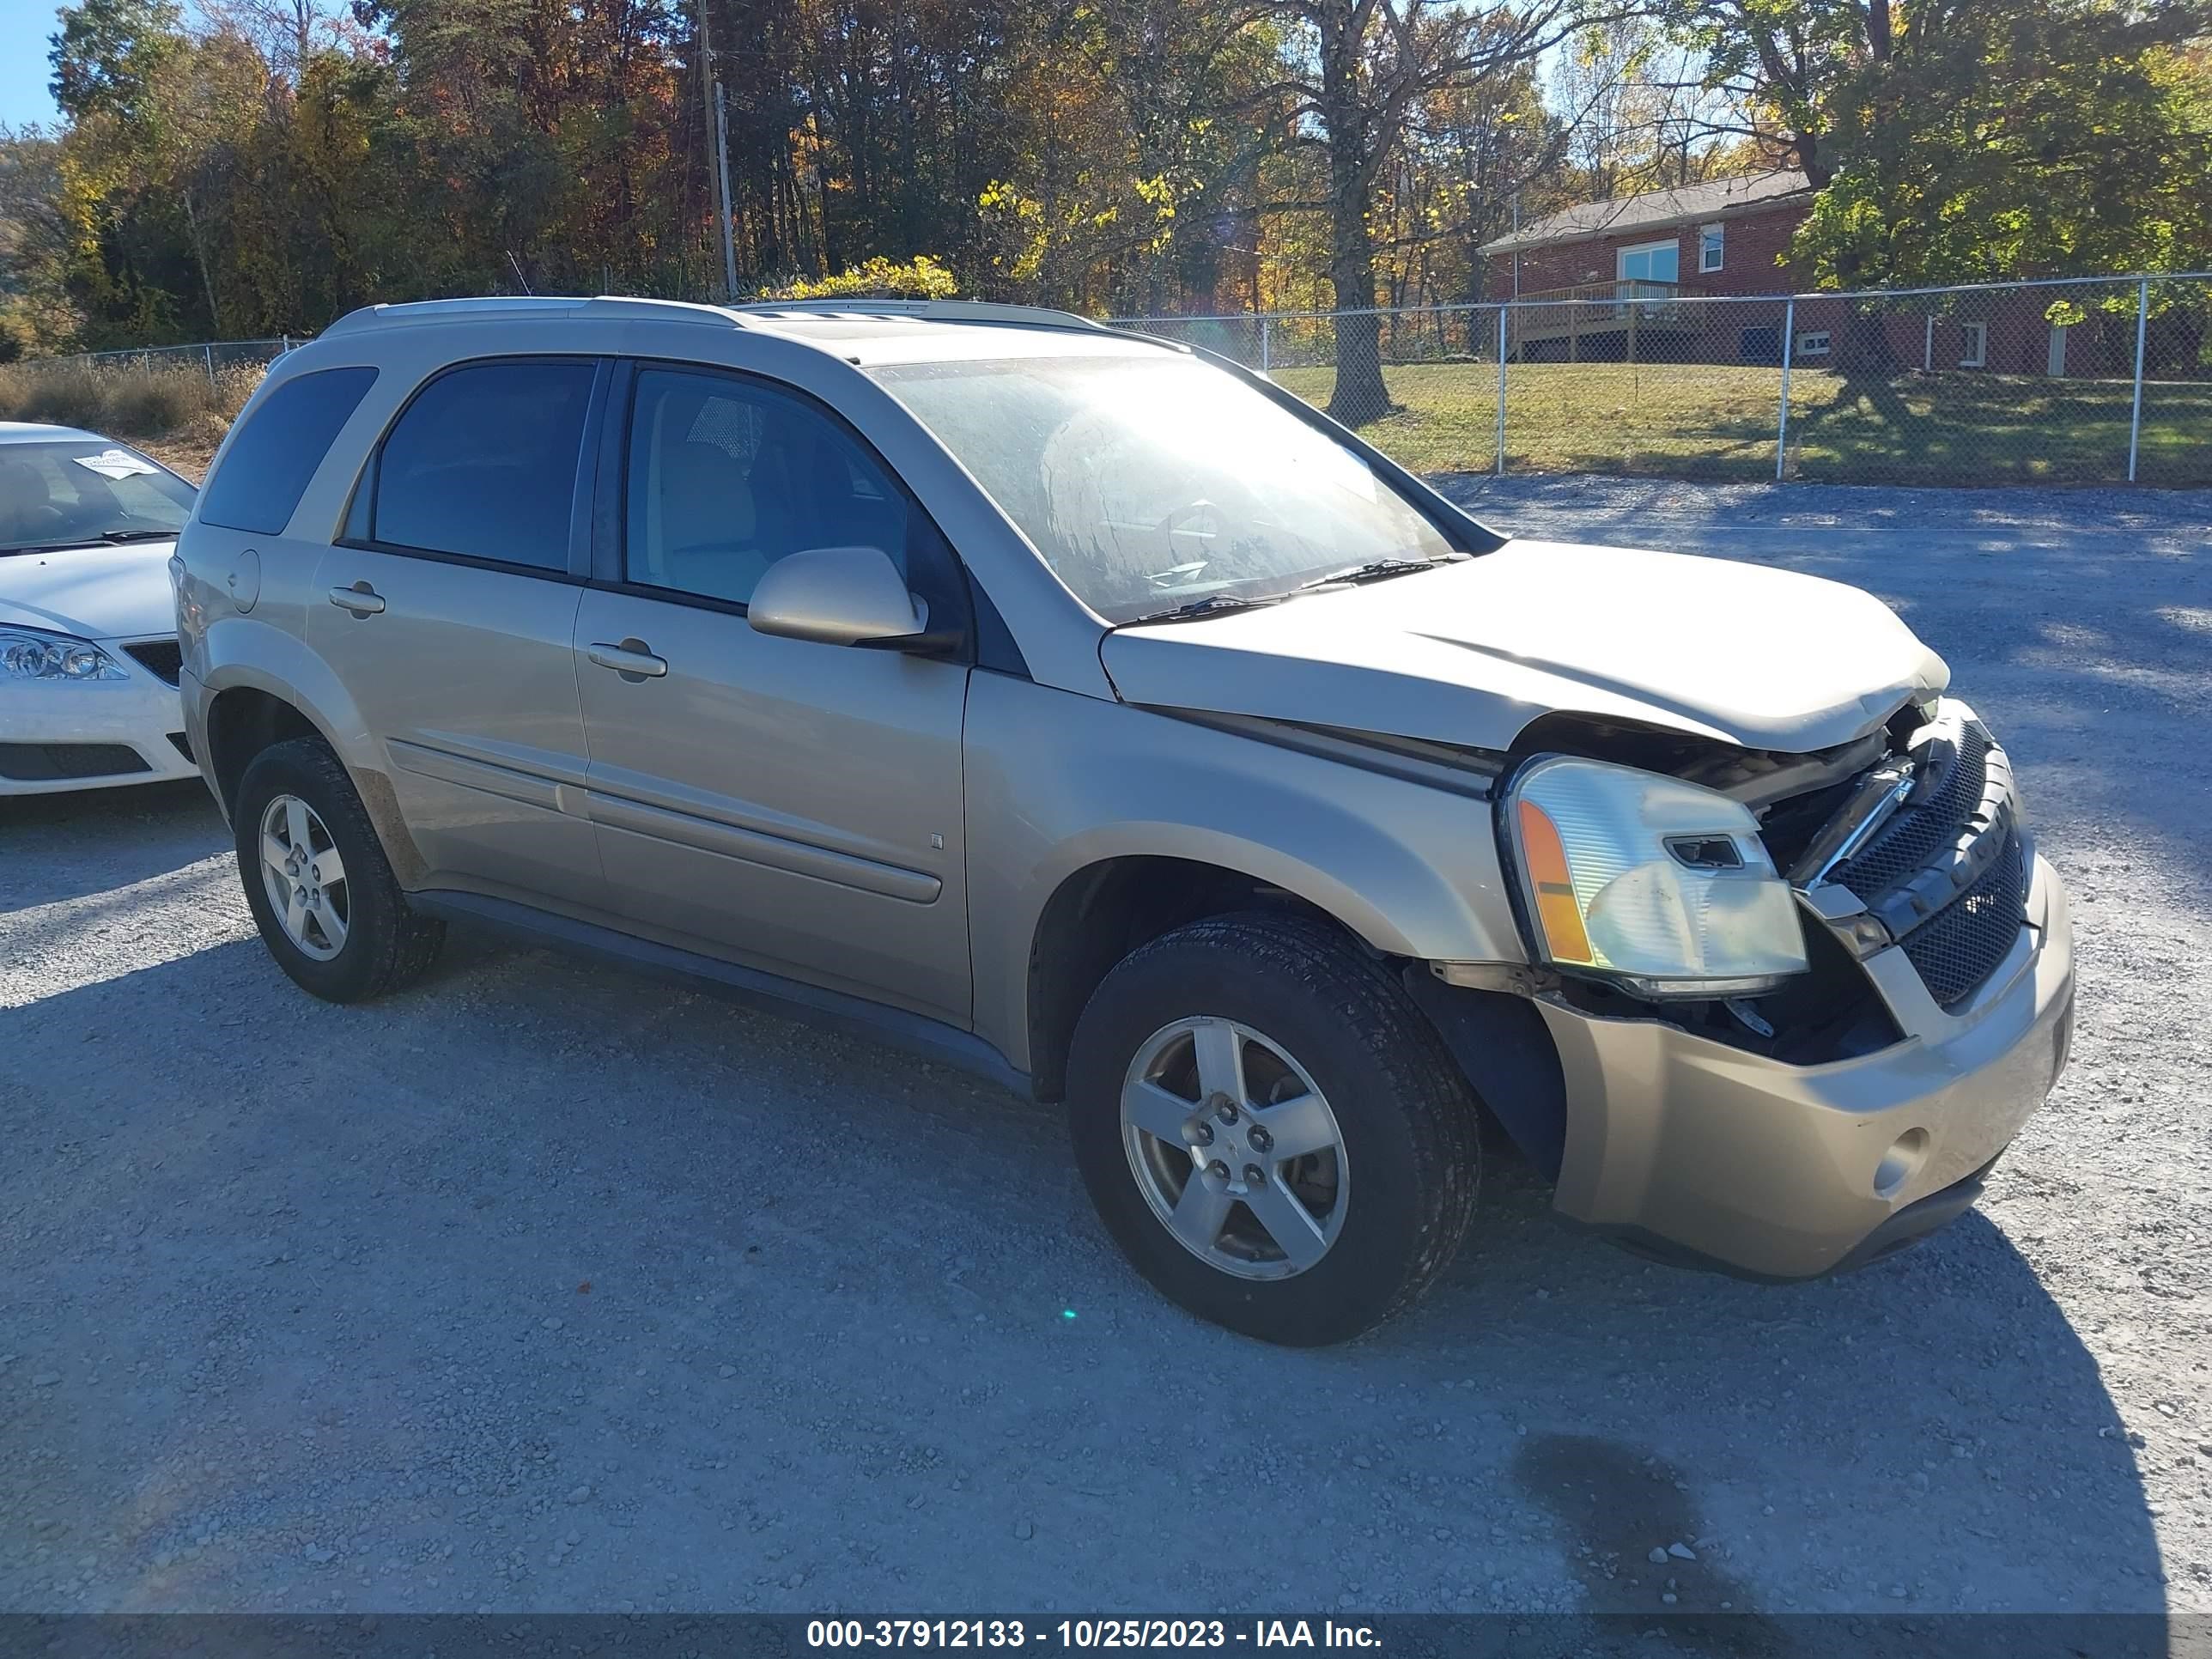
x,y
1575,271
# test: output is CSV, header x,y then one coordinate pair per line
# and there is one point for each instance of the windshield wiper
x,y
1373,570
111,538
1212,605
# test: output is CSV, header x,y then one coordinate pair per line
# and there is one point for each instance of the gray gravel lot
x,y
542,1286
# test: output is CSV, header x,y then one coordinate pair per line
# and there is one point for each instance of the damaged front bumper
x,y
1702,1152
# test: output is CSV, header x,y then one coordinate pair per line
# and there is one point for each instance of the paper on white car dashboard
x,y
114,463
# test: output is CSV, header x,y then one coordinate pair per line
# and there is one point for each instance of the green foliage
x,y
1978,140
922,277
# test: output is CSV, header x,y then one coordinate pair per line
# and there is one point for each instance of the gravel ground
x,y
545,1287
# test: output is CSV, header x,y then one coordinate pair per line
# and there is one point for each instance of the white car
x,y
88,620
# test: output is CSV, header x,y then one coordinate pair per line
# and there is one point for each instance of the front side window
x,y
257,484
1711,247
77,492
482,463
1152,481
726,476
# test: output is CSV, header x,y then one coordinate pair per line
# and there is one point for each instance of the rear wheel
x,y
1272,1132
322,892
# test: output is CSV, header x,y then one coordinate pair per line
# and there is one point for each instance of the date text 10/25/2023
x,y
1084,1634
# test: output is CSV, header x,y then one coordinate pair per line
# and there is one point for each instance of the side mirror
x,y
838,596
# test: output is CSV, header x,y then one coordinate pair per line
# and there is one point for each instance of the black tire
x,y
387,942
1409,1124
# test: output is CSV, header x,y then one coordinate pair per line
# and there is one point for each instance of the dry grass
x,y
176,413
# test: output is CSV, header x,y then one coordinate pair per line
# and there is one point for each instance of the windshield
x,y
1154,482
74,492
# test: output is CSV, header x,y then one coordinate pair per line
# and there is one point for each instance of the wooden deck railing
x,y
1569,313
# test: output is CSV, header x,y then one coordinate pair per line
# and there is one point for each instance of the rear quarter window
x,y
257,485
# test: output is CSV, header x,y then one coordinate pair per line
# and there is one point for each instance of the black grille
x,y
1911,839
50,763
1960,945
162,657
183,746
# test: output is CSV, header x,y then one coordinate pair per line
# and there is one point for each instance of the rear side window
x,y
267,467
482,465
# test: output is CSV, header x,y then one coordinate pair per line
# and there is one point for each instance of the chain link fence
x,y
2098,381
213,358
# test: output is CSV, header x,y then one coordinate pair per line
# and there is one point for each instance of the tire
x,y
1286,995
371,940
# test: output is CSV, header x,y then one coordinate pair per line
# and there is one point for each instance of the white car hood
x,y
98,593
1472,653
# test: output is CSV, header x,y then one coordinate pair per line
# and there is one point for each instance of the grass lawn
x,y
1700,421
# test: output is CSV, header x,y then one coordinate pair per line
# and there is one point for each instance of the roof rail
x,y
516,305
937,311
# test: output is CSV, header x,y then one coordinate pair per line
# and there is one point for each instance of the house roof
x,y
1657,210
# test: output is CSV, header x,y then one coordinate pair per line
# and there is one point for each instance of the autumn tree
x,y
1358,70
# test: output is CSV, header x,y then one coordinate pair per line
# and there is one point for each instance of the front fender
x,y
1058,782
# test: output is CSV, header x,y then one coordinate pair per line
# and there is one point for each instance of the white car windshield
x,y
79,492
1155,484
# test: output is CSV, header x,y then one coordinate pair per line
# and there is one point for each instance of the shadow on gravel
x,y
544,1286
100,839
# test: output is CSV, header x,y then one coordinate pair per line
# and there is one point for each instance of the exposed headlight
x,y
30,654
1658,884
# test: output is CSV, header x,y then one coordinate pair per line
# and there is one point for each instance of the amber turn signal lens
x,y
1556,913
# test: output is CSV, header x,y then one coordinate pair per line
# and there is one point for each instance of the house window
x,y
1711,241
1976,354
1649,262
1812,344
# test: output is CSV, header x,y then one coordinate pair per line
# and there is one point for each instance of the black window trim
x,y
581,488
609,549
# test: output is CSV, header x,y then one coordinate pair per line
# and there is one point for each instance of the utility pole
x,y
710,90
1516,250
722,179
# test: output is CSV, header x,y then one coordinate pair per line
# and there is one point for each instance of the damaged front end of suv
x,y
1800,1002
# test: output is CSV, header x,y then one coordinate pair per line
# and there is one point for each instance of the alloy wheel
x,y
1234,1148
304,878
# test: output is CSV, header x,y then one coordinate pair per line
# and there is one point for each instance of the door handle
x,y
633,659
361,599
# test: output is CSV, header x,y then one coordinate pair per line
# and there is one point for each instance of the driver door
x,y
789,806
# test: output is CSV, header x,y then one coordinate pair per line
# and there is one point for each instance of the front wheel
x,y
1271,1132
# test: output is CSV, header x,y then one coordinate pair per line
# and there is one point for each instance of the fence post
x,y
1501,392
209,351
1267,346
1781,427
2135,418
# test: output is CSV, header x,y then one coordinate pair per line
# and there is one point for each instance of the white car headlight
x,y
31,653
1654,883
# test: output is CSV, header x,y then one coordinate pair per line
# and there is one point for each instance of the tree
x,y
106,52
1960,140
1359,71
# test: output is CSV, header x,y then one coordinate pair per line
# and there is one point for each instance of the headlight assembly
x,y
1656,884
31,653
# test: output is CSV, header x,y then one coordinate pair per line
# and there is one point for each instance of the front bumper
x,y
1691,1150
96,734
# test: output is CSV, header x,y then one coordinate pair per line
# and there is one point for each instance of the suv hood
x,y
99,593
1471,653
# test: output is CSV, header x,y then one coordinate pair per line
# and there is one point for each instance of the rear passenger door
x,y
791,805
448,610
